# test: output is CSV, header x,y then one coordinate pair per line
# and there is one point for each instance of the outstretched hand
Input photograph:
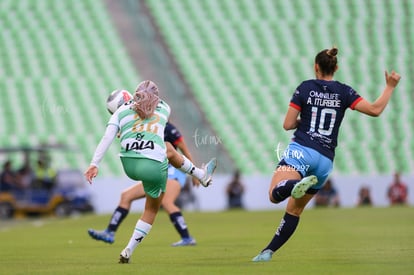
x,y
392,79
90,173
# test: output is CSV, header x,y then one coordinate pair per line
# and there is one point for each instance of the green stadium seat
x,y
242,59
272,46
63,59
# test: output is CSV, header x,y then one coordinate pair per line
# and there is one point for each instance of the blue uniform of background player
x,y
316,111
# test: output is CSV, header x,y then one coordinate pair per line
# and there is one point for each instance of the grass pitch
x,y
327,241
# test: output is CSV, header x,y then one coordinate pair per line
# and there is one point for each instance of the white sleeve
x,y
106,141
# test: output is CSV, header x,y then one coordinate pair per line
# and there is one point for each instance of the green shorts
x,y
152,173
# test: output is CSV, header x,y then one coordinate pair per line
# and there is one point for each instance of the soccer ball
x,y
116,99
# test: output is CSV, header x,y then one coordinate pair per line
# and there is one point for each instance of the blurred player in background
x,y
176,180
141,125
316,111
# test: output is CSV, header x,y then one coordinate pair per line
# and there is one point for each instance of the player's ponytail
x,y
332,52
146,99
327,60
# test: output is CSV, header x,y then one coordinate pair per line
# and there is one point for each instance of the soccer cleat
x,y
263,256
105,235
209,170
124,256
302,186
185,242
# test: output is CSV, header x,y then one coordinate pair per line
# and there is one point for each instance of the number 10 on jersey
x,y
323,114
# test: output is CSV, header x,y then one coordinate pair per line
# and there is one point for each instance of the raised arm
x,y
378,106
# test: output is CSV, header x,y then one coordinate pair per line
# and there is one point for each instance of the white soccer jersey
x,y
139,138
142,138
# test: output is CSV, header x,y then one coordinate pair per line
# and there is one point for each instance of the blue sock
x,y
117,217
285,230
179,223
283,189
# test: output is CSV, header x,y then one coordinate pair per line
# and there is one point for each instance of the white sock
x,y
141,230
189,168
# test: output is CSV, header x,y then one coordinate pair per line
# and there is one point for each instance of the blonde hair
x,y
146,99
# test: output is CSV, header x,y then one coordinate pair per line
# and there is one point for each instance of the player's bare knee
x,y
125,197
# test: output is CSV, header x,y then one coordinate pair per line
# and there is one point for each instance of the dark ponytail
x,y
332,52
327,61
